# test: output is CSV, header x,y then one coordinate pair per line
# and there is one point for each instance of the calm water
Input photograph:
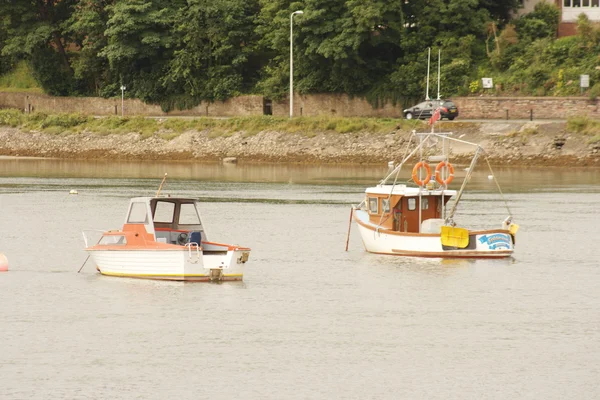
x,y
310,321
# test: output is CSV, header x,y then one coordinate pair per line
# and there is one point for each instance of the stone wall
x,y
30,102
526,107
337,105
310,105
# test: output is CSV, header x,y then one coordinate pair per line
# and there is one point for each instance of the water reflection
x,y
510,179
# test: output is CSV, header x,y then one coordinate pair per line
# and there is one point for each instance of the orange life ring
x,y
438,173
415,173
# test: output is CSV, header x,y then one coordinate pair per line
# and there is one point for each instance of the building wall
x,y
570,11
311,105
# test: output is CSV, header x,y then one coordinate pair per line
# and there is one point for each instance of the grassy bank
x,y
170,128
20,79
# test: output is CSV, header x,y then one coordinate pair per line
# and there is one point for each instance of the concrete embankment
x,y
506,143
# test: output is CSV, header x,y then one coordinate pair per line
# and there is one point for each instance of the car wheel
x,y
408,116
451,118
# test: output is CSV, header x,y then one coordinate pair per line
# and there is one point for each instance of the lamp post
x,y
292,61
122,100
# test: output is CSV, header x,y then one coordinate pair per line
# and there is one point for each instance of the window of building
x,y
164,212
412,204
424,203
567,3
586,3
137,214
188,215
595,3
373,205
385,205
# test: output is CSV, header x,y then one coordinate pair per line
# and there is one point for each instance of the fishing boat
x,y
418,220
164,238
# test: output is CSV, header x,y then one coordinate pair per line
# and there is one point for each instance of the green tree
x,y
542,22
33,30
86,27
501,10
455,26
140,40
339,46
214,56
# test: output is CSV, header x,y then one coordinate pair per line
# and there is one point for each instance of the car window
x,y
448,104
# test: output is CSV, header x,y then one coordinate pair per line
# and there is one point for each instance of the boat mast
x,y
462,187
439,63
428,59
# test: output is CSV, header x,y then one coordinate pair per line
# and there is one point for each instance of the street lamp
x,y
122,100
292,61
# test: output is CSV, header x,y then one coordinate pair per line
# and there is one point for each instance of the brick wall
x,y
567,29
311,105
522,107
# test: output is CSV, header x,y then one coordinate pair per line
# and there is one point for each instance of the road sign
x,y
584,81
487,83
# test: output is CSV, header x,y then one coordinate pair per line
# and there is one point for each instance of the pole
x,y
161,185
428,60
291,65
292,60
439,68
122,101
349,226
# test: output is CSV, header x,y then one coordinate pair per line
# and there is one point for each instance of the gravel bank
x,y
514,143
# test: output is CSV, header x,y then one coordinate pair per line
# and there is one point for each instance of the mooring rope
x,y
497,184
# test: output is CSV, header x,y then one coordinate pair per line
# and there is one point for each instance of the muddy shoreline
x,y
505,143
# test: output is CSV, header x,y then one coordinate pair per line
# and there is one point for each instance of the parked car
x,y
425,109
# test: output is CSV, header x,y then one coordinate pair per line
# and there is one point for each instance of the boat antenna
x,y
439,61
161,185
428,61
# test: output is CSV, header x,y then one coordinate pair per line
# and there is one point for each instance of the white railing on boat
x,y
85,238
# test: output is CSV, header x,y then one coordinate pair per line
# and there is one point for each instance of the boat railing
x,y
191,258
85,235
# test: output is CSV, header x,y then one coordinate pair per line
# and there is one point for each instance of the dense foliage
x,y
180,52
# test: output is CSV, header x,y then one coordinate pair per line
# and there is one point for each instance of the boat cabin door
x,y
139,213
409,221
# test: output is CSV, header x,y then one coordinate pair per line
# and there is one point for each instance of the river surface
x,y
310,320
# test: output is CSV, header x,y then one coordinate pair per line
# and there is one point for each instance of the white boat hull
x,y
482,244
178,265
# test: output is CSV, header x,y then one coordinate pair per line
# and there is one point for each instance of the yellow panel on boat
x,y
513,228
455,237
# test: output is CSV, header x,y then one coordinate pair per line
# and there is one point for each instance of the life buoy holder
x,y
415,173
438,173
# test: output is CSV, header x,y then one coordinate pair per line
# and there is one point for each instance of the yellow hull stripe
x,y
166,275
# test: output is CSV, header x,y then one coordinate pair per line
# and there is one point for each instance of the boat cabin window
x,y
137,214
412,204
188,215
113,239
163,213
373,205
424,203
385,205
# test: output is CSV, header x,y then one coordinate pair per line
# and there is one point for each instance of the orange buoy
x,y
3,263
415,173
438,173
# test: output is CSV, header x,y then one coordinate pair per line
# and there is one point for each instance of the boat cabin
x,y
404,209
168,219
